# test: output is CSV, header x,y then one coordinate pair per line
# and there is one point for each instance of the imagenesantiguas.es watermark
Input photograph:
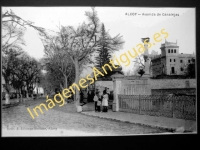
x,y
123,59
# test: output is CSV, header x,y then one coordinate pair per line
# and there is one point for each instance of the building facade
x,y
170,61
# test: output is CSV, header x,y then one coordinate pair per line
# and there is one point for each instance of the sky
x,y
132,27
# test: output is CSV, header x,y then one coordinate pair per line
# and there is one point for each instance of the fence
x,y
182,107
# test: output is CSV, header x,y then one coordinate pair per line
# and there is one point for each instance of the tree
x,y
139,65
141,72
190,69
48,83
57,61
19,70
18,77
103,51
106,46
13,28
27,72
8,63
80,43
153,52
9,16
12,37
12,40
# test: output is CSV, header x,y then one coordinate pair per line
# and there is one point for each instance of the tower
x,y
170,62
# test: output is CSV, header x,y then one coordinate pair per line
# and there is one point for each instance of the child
x,y
105,102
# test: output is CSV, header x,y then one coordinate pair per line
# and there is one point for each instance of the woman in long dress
x,y
96,98
105,102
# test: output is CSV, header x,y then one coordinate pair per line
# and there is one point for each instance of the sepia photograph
x,y
98,71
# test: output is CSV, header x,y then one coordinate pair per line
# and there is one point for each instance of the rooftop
x,y
186,55
167,44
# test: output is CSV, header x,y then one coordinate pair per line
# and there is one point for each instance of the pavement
x,y
65,121
172,124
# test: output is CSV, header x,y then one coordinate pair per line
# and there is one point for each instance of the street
x,y
65,121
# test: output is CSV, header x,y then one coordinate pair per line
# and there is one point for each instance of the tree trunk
x,y
27,91
77,95
18,95
33,96
21,95
27,96
36,91
66,84
7,95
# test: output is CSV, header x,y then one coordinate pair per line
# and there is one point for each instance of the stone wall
x,y
145,86
135,87
172,83
187,91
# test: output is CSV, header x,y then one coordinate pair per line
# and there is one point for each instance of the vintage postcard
x,y
98,71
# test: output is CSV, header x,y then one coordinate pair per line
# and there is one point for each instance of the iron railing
x,y
182,107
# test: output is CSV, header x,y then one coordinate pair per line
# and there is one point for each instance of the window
x,y
181,69
174,51
170,60
168,50
174,60
181,61
189,61
171,50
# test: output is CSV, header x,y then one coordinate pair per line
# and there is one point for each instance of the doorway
x,y
172,70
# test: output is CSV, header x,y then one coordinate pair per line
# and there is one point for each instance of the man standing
x,y
81,96
89,96
104,91
108,93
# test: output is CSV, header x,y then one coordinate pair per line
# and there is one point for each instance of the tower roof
x,y
169,44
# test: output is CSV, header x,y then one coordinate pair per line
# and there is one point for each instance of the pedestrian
x,y
99,102
81,96
89,96
105,102
105,90
72,96
92,94
108,92
95,99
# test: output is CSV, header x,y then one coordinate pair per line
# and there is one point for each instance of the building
x,y
170,61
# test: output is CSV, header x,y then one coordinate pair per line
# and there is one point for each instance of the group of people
x,y
101,101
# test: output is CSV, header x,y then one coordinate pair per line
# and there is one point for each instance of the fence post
x,y
184,116
173,107
139,105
